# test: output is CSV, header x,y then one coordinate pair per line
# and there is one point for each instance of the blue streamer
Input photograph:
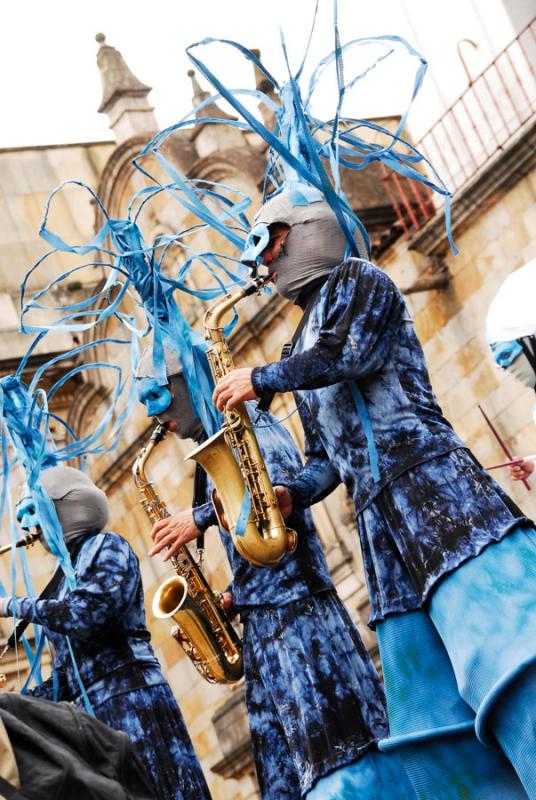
x,y
245,511
361,407
293,140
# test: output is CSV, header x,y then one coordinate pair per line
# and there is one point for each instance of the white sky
x,y
50,85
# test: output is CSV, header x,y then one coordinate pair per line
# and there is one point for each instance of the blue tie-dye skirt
x,y
314,699
153,722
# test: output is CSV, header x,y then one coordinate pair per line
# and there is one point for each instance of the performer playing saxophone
x,y
202,627
103,620
449,558
314,699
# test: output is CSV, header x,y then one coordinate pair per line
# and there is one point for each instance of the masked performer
x,y
102,645
314,700
511,335
436,531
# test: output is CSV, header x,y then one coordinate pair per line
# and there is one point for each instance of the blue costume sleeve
x,y
318,477
363,311
204,516
106,578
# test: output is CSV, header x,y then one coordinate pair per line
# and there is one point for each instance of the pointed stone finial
x,y
199,96
262,83
124,96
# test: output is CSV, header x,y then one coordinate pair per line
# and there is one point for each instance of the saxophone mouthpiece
x,y
158,433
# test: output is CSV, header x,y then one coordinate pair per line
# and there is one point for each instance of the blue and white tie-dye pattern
x,y
314,699
311,690
427,523
358,332
431,726
432,512
433,506
104,618
485,613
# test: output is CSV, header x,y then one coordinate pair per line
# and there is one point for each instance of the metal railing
x,y
479,124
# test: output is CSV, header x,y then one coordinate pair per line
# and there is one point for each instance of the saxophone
x,y
201,626
265,538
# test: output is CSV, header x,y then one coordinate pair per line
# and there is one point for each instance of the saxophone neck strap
x,y
266,400
199,498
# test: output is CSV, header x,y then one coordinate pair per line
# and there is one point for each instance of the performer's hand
x,y
174,532
284,499
234,388
227,601
521,471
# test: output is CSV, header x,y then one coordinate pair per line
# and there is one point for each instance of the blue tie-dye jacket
x,y
104,618
360,370
298,574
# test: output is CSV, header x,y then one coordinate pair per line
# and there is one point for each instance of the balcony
x,y
494,114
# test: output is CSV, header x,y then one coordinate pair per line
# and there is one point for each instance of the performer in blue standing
x,y
314,699
104,659
450,560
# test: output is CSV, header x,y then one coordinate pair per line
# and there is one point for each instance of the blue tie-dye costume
x,y
425,508
314,699
408,537
104,618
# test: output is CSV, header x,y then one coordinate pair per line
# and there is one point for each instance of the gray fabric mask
x,y
180,411
314,245
80,505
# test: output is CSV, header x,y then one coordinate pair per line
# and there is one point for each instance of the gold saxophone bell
x,y
233,459
170,597
202,627
193,632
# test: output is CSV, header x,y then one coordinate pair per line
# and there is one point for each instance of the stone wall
x,y
450,324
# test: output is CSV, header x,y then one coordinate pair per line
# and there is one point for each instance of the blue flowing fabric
x,y
135,271
485,612
305,153
431,727
376,776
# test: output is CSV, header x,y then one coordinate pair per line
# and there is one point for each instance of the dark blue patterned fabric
x,y
314,699
429,511
427,523
297,575
104,618
151,718
375,346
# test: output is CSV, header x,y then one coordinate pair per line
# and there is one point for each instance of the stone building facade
x,y
494,213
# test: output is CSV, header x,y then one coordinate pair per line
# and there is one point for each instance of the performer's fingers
x,y
233,400
220,387
159,546
223,399
173,549
166,539
158,527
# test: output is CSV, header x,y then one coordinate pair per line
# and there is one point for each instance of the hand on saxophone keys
x,y
284,499
234,388
173,533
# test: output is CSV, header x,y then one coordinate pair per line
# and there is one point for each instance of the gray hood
x,y
80,505
314,245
